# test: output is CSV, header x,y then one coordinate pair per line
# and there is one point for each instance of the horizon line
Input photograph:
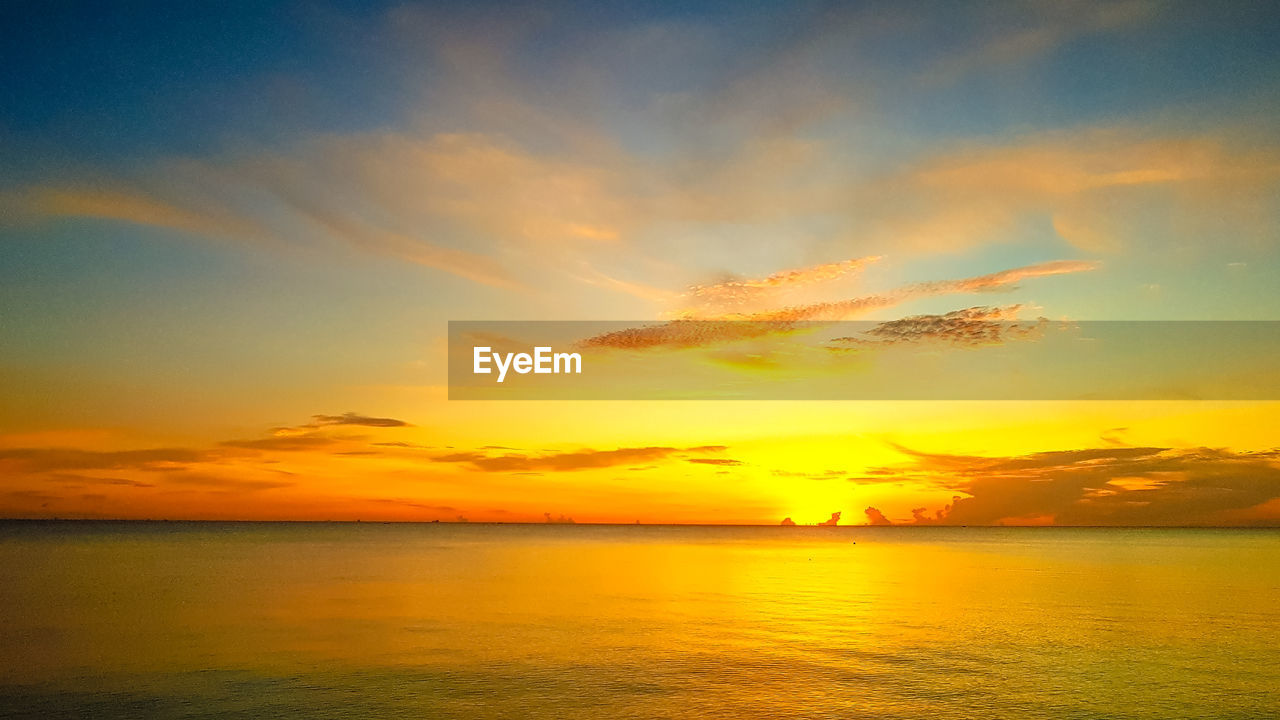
x,y
624,524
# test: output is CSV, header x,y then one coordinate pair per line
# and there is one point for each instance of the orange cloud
x,y
284,443
1103,486
875,517
697,333
971,327
738,295
571,461
348,418
35,460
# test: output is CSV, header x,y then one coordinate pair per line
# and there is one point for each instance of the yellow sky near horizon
x,y
684,462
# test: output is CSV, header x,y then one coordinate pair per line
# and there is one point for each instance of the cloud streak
x,y
736,296
36,460
572,461
689,333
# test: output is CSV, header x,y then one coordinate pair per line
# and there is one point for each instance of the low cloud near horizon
x,y
1099,486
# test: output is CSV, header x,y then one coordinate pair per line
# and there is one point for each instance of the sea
x,y
452,620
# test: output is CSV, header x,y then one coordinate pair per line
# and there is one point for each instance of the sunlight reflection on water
x,y
320,620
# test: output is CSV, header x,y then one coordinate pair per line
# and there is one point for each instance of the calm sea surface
x,y
123,620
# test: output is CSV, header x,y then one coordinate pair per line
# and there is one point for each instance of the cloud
x,y
76,480
1115,436
74,467
972,327
1104,486
714,461
831,521
286,443
787,522
735,296
351,418
1014,33
402,502
571,461
698,333
225,483
920,515
566,176
1102,189
36,460
875,517
1004,279
818,475
133,206
389,194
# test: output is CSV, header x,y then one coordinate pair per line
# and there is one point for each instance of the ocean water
x,y
240,620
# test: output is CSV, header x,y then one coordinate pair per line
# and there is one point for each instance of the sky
x,y
232,237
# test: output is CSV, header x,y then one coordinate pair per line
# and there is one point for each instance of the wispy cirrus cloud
x,y
1004,279
1103,189
547,183
737,296
1015,34
691,333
